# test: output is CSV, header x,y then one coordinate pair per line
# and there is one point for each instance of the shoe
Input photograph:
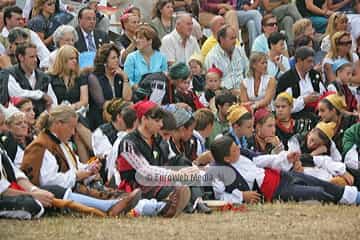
x,y
201,207
178,200
125,204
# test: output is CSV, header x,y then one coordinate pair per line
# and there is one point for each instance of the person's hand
x,y
5,61
188,171
120,72
348,178
312,97
43,196
82,174
48,100
328,13
70,8
95,166
293,157
297,167
274,140
204,158
251,196
319,151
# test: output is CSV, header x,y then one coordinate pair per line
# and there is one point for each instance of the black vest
x,y
315,78
5,160
42,84
110,132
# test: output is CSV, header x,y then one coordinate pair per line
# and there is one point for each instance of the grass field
x,y
269,221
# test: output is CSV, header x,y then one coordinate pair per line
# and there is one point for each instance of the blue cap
x,y
339,63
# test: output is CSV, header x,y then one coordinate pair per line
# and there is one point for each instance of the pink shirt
x,y
212,5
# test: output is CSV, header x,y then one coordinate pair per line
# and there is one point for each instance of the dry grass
x,y
276,221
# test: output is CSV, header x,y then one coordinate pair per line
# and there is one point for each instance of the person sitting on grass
x,y
319,156
261,176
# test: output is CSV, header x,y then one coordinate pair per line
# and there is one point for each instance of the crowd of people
x,y
162,118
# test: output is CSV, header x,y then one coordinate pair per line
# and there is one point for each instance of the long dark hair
x,y
156,12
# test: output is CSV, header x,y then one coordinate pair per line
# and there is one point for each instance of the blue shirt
x,y
135,65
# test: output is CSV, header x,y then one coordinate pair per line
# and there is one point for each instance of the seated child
x,y
212,85
196,66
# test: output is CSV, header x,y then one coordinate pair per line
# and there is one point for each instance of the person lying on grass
x,y
261,177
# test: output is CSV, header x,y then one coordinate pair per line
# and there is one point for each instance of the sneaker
x,y
178,200
125,204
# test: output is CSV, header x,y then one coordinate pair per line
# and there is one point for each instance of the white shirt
x,y
251,171
325,166
50,60
273,70
112,157
85,34
233,69
15,90
172,47
250,88
41,49
306,89
50,174
100,143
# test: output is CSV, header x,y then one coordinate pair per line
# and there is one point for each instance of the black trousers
x,y
300,187
21,207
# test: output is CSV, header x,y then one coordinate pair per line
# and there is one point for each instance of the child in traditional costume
x,y
246,179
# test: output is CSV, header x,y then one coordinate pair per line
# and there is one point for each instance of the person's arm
x,y
316,10
336,6
274,161
325,162
129,69
52,95
15,90
269,5
41,49
269,94
244,98
168,50
84,97
330,75
236,196
50,174
209,7
100,143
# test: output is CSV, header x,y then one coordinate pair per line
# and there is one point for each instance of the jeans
x,y
300,187
252,20
287,15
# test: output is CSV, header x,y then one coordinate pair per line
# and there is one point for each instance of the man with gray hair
x,y
179,45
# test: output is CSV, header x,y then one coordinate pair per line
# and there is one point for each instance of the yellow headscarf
x,y
235,112
286,96
337,101
327,128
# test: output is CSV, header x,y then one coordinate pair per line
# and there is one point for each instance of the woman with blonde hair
x,y
337,22
258,89
71,88
340,48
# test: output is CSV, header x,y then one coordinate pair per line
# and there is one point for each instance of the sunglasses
x,y
271,24
344,43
